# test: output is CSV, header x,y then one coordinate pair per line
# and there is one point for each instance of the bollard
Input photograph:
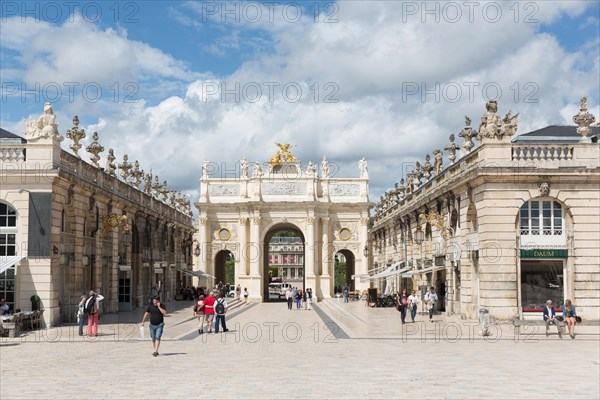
x,y
484,321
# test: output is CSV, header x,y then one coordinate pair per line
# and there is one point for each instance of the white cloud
x,y
371,55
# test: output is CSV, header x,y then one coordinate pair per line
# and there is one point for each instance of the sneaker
x,y
226,330
403,322
572,335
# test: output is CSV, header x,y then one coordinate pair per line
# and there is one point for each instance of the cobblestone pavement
x,y
336,351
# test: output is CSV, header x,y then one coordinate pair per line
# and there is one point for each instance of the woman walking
x,y
200,314
81,315
403,305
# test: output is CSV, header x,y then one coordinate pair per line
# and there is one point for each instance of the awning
x,y
7,262
409,274
199,273
124,267
386,272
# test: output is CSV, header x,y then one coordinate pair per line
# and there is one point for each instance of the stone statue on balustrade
x,y
148,183
492,126
410,183
205,169
438,161
427,167
244,168
110,163
45,127
451,148
311,169
363,168
468,134
418,174
257,171
325,168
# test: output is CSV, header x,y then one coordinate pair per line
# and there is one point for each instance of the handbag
x,y
577,318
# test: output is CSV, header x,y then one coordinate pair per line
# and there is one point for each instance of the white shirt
x,y
413,298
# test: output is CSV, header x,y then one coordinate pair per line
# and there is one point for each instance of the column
x,y
364,240
309,271
242,269
254,246
326,253
202,231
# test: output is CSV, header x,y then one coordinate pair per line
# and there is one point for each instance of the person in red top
x,y
209,311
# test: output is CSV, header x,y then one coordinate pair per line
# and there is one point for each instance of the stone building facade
x,y
71,226
505,224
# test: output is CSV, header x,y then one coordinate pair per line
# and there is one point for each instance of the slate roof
x,y
556,134
9,137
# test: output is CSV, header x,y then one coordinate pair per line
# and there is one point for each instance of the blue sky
x,y
157,65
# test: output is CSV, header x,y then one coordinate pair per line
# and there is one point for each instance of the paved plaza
x,y
337,351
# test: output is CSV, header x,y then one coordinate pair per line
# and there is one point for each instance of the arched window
x,y
541,217
8,253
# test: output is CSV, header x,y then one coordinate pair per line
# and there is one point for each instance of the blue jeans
x,y
413,312
403,308
156,331
82,321
345,297
221,319
431,311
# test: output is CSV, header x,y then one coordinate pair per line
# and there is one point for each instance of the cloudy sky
x,y
174,83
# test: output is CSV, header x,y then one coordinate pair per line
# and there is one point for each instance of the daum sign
x,y
545,253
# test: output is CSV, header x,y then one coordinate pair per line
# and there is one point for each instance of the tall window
x,y
8,250
541,217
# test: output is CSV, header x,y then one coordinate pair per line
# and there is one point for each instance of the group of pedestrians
x,y
408,304
88,312
299,296
210,312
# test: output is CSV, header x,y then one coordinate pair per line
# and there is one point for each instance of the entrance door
x,y
125,291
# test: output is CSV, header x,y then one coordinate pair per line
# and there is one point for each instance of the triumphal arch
x,y
238,216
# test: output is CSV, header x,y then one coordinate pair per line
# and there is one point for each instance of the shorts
x,y
156,331
209,317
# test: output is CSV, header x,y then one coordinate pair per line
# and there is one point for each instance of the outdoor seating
x,y
34,322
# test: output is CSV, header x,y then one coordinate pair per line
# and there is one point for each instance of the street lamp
x,y
197,250
366,251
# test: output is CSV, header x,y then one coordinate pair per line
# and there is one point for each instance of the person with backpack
x,y
220,310
91,308
81,314
156,311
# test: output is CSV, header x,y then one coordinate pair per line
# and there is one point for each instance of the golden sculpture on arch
x,y
283,155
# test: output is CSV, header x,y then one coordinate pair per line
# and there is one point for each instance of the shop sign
x,y
545,253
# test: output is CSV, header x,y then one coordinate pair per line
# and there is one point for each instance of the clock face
x,y
224,234
345,233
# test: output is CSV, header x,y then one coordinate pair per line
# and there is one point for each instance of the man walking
x,y
220,310
289,298
209,310
156,311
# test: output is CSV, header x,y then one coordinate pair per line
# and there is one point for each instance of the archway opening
x,y
283,262
224,267
344,267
